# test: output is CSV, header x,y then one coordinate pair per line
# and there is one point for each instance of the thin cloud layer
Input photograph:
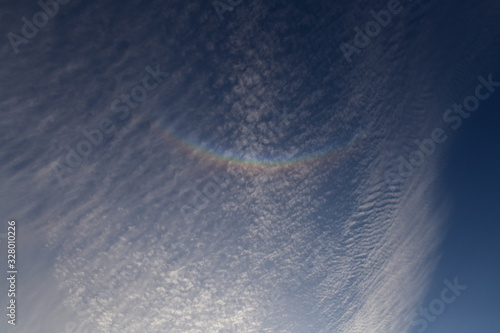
x,y
322,245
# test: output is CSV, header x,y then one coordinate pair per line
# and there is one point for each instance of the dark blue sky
x,y
471,249
245,189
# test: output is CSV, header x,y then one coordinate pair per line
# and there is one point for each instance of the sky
x,y
239,166
470,248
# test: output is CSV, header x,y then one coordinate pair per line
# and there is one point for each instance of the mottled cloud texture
x,y
324,245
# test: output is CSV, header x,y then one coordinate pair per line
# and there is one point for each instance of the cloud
x,y
317,246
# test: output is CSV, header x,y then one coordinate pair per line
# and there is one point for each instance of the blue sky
x,y
174,170
471,250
